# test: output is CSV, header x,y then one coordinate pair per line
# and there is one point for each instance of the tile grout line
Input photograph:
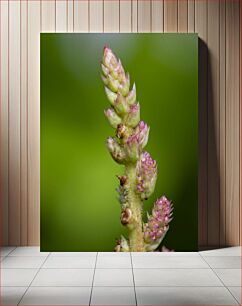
x,y
122,269
135,295
220,279
105,286
14,248
90,299
34,278
4,257
239,302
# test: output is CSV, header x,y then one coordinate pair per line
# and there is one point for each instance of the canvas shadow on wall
x,y
79,207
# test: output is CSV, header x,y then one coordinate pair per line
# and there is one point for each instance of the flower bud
x,y
112,117
158,224
132,148
113,84
131,97
122,245
104,79
109,59
115,150
146,175
124,86
142,130
118,72
133,116
110,95
104,70
121,105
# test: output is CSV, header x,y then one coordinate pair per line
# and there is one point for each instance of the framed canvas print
x,y
119,162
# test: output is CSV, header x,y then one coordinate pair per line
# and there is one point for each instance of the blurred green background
x,y
79,207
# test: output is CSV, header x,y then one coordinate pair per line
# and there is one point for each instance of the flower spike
x,y
127,148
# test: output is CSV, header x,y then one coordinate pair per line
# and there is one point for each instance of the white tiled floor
x,y
29,277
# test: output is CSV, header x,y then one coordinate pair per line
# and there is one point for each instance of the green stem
x,y
136,240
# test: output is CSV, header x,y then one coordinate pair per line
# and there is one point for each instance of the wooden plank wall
x,y
217,23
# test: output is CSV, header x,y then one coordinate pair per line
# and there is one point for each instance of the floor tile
x,y
70,262
236,292
118,262
17,277
28,251
23,262
114,254
231,262
161,254
230,277
184,296
4,251
12,295
64,277
169,262
73,254
57,296
230,251
113,296
113,277
175,277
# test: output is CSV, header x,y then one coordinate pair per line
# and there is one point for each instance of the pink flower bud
x,y
133,116
110,95
115,150
105,70
158,224
112,117
132,148
146,175
131,98
112,83
142,130
109,59
124,86
121,105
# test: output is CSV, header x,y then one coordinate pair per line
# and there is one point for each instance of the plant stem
x,y
136,237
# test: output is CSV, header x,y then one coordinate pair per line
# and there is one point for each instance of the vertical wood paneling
x,y
217,24
111,16
33,122
201,28
171,15
157,20
70,16
213,123
232,122
134,16
23,125
222,122
81,16
96,16
48,16
14,122
125,16
4,121
182,16
144,16
191,16
61,15
240,129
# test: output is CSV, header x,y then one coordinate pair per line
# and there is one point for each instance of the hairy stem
x,y
136,238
